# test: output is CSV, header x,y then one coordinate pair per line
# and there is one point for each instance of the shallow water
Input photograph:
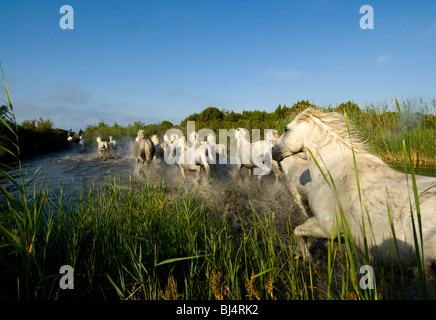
x,y
425,170
72,168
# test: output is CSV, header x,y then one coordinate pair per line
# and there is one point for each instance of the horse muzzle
x,y
277,153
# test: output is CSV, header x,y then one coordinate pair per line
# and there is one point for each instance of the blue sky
x,y
163,60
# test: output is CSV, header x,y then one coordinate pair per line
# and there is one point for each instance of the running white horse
x,y
219,150
140,135
113,143
82,143
384,192
193,158
253,155
144,151
103,148
160,148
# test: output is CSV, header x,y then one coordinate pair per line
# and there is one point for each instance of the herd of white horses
x,y
349,190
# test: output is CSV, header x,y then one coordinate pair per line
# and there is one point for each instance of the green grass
x,y
137,241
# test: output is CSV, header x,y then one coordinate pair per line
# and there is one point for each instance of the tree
x,y
44,125
29,124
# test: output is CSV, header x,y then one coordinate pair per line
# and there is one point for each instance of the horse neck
x,y
332,156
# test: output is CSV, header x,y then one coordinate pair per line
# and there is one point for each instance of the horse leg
x,y
198,174
206,166
313,228
265,170
183,172
298,199
277,172
237,172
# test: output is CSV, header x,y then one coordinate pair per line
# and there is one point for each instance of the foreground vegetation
x,y
136,241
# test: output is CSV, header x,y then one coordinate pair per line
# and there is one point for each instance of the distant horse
x,y
77,139
140,135
103,148
144,151
113,143
252,155
82,143
384,192
160,148
193,158
219,149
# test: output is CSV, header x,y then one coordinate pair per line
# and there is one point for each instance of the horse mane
x,y
336,126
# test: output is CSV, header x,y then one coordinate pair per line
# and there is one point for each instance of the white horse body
x,y
252,155
103,148
143,151
112,143
219,150
160,148
140,135
383,190
82,143
193,158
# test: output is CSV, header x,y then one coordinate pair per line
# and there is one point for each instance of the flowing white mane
x,y
335,126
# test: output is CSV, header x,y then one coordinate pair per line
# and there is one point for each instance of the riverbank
x,y
33,143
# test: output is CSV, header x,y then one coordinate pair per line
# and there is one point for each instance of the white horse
x,y
252,155
113,143
160,148
82,143
103,148
218,149
384,192
193,158
144,151
140,135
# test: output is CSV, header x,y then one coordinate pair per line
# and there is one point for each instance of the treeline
x,y
381,125
104,130
211,118
216,119
36,137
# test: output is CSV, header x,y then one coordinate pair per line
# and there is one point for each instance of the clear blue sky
x,y
163,60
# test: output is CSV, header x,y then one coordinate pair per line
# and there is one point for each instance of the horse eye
x,y
286,129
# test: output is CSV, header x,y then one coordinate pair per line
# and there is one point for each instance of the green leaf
x,y
177,259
